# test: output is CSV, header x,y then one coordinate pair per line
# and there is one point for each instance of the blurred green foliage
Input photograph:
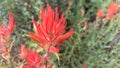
x,y
88,46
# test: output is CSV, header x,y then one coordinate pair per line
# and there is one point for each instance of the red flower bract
x,y
112,9
99,13
51,29
34,60
85,66
5,31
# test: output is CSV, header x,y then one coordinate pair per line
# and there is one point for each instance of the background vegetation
x,y
95,46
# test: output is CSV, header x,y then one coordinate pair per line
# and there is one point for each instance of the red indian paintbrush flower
x,y
34,60
99,13
51,29
112,11
85,66
5,32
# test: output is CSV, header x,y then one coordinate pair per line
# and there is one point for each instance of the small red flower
x,y
99,13
34,60
5,31
51,29
85,66
112,10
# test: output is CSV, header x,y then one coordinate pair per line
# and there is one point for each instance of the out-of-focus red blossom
x,y
23,51
85,66
51,29
34,60
99,13
5,31
50,67
112,10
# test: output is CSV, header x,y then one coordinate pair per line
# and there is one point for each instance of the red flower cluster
x,y
111,12
85,66
112,9
51,29
5,32
50,32
99,13
33,59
